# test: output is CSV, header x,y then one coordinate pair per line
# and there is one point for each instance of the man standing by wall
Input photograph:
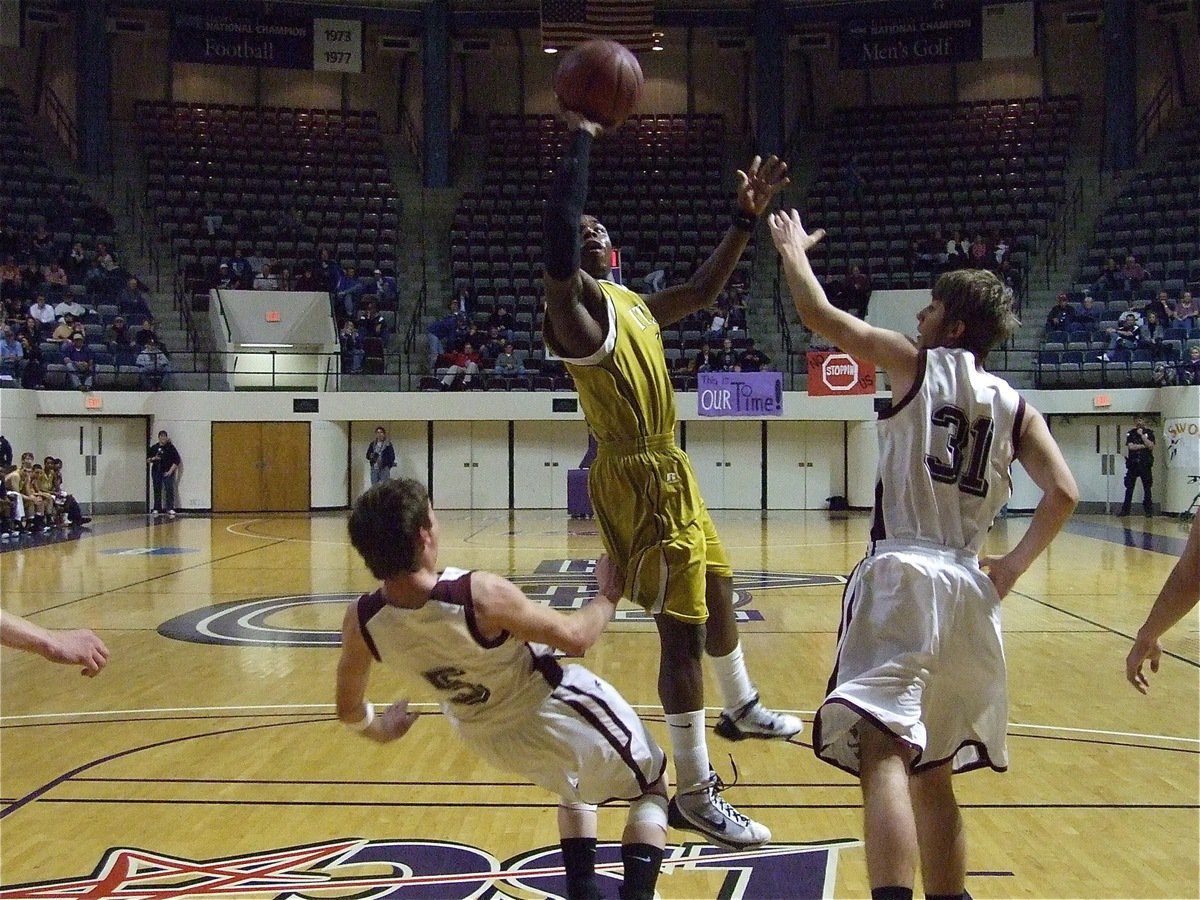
x,y
164,462
382,456
1139,464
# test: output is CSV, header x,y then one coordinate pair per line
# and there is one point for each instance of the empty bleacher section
x,y
896,180
57,241
273,183
1151,235
659,186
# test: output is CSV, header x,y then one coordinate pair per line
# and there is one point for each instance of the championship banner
x,y
937,32
1182,437
832,373
271,41
740,394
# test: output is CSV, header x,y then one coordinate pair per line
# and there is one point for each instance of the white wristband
x,y
365,722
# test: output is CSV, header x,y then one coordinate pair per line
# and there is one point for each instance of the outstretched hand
x,y
78,647
761,182
579,122
788,233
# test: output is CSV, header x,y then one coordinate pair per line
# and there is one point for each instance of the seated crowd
x,y
1164,329
63,307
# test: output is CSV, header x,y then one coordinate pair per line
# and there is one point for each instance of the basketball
x,y
601,80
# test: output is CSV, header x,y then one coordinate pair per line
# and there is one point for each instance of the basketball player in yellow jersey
x,y
653,522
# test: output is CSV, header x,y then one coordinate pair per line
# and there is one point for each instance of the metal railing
x,y
64,125
1061,229
1161,106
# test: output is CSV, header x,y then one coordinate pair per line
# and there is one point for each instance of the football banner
x,y
832,373
739,394
248,38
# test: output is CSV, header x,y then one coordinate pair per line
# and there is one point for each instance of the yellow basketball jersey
x,y
624,386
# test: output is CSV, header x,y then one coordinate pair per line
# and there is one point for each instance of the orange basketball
x,y
600,80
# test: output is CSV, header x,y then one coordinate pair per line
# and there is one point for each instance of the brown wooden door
x,y
260,466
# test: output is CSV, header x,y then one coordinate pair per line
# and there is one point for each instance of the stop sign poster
x,y
831,373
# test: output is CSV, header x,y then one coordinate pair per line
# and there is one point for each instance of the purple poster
x,y
740,394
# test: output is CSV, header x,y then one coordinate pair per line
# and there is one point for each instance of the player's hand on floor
x,y
396,720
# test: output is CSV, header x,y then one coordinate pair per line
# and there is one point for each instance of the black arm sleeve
x,y
564,206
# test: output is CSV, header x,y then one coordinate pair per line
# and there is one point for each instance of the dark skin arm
x,y
576,313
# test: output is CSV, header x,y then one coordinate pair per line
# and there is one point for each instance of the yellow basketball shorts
x,y
656,528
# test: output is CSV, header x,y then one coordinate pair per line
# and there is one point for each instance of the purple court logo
x,y
559,583
437,870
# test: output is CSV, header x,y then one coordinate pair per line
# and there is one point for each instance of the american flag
x,y
569,22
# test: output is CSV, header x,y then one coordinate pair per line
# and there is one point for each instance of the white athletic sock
x,y
736,687
689,748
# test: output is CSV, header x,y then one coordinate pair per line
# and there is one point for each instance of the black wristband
x,y
743,221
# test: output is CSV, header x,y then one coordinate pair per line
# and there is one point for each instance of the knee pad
x,y
650,809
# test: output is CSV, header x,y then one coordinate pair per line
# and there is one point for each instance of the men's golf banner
x,y
833,373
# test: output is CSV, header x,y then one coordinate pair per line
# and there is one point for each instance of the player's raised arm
x,y
757,186
502,606
576,315
889,349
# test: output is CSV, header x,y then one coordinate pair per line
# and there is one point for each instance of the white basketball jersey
x,y
480,682
945,452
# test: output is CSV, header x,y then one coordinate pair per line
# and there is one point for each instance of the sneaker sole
x,y
677,820
726,729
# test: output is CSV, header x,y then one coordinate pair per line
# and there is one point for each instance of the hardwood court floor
x,y
184,752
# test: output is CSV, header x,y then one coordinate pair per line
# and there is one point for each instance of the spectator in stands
x,y
42,244
213,221
727,358
117,335
34,368
372,323
1087,317
352,347
1189,369
257,261
132,299
502,319
266,279
226,280
856,292
104,271
931,249
507,363
753,360
76,264
1164,374
97,218
80,363
65,330
12,354
1061,315
240,268
10,278
147,332
441,333
56,277
1150,335
327,270
1125,335
348,290
957,250
1000,253
306,281
1185,313
655,281
464,362
154,366
1162,306
43,311
705,360
736,319
493,344
462,302
386,290
1132,273
716,324
978,253
70,305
